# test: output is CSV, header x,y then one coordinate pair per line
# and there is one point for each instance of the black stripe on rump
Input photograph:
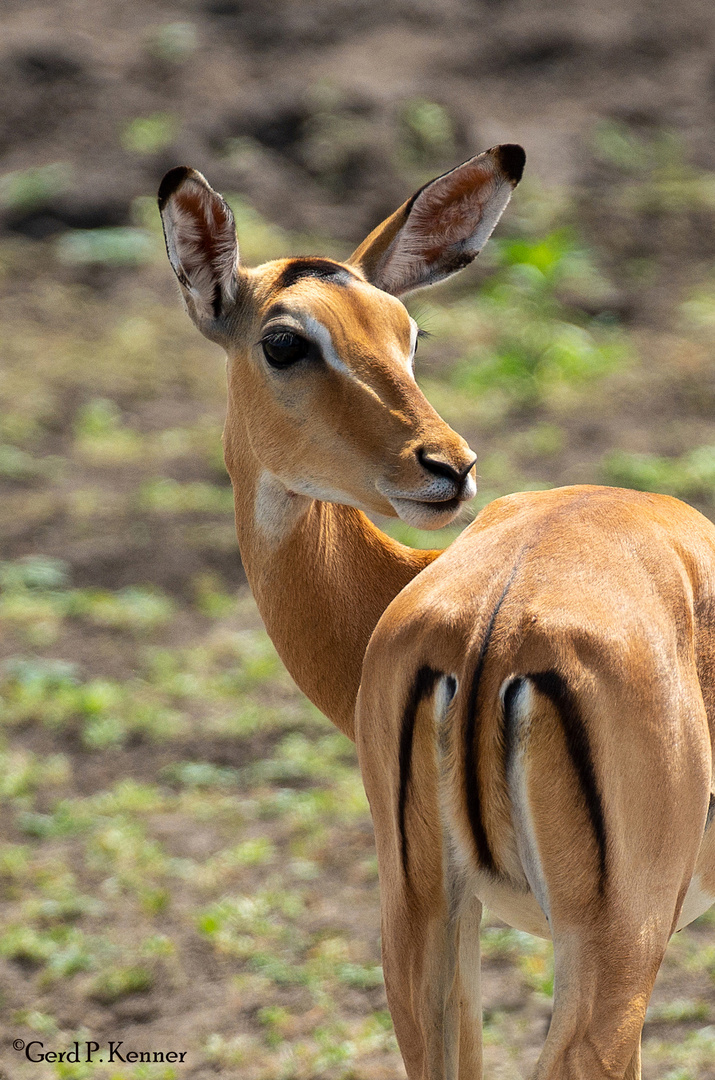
x,y
421,688
552,686
711,812
471,778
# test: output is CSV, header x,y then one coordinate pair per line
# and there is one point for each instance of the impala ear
x,y
444,225
201,243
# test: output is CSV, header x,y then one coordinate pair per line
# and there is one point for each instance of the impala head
x,y
321,353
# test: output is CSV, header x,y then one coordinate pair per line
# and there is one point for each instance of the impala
x,y
533,706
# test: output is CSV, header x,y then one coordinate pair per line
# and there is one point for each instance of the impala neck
x,y
321,574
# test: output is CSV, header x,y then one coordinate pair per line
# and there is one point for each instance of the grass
x,y
688,476
109,896
273,818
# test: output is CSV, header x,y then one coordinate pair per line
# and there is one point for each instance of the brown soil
x,y
283,75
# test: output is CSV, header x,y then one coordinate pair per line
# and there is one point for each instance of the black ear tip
x,y
171,182
512,160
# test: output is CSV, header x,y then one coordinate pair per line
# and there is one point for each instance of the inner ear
x,y
201,243
444,225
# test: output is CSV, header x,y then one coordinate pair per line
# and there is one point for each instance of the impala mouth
x,y
436,505
427,514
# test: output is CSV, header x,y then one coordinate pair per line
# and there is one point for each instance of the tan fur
x,y
606,588
576,810
324,575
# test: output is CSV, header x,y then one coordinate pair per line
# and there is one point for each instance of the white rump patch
x,y
517,779
444,695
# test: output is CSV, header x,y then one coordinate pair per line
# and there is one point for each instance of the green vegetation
x,y
690,476
524,344
112,247
427,132
173,42
149,134
28,188
275,818
661,181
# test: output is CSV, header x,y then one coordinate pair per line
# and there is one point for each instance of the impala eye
x,y
284,348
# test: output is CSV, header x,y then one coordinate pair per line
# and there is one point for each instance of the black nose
x,y
439,467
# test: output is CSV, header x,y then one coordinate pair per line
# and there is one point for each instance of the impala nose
x,y
439,466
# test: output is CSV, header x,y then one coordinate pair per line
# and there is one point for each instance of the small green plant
x,y
121,246
256,852
67,819
133,608
63,951
118,982
274,1020
678,1011
17,464
211,599
537,969
100,435
149,134
543,440
227,1053
97,418
199,774
39,573
427,131
173,42
37,1021
360,976
165,496
259,929
299,758
33,597
22,773
27,188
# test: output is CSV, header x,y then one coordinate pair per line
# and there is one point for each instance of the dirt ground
x,y
323,117
301,106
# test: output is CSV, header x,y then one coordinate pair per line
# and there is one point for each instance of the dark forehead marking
x,y
315,268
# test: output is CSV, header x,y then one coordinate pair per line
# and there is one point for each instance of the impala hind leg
x,y
432,978
430,921
599,1007
610,842
633,1072
419,955
470,991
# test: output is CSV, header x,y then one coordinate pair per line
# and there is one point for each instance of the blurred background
x,y
186,856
